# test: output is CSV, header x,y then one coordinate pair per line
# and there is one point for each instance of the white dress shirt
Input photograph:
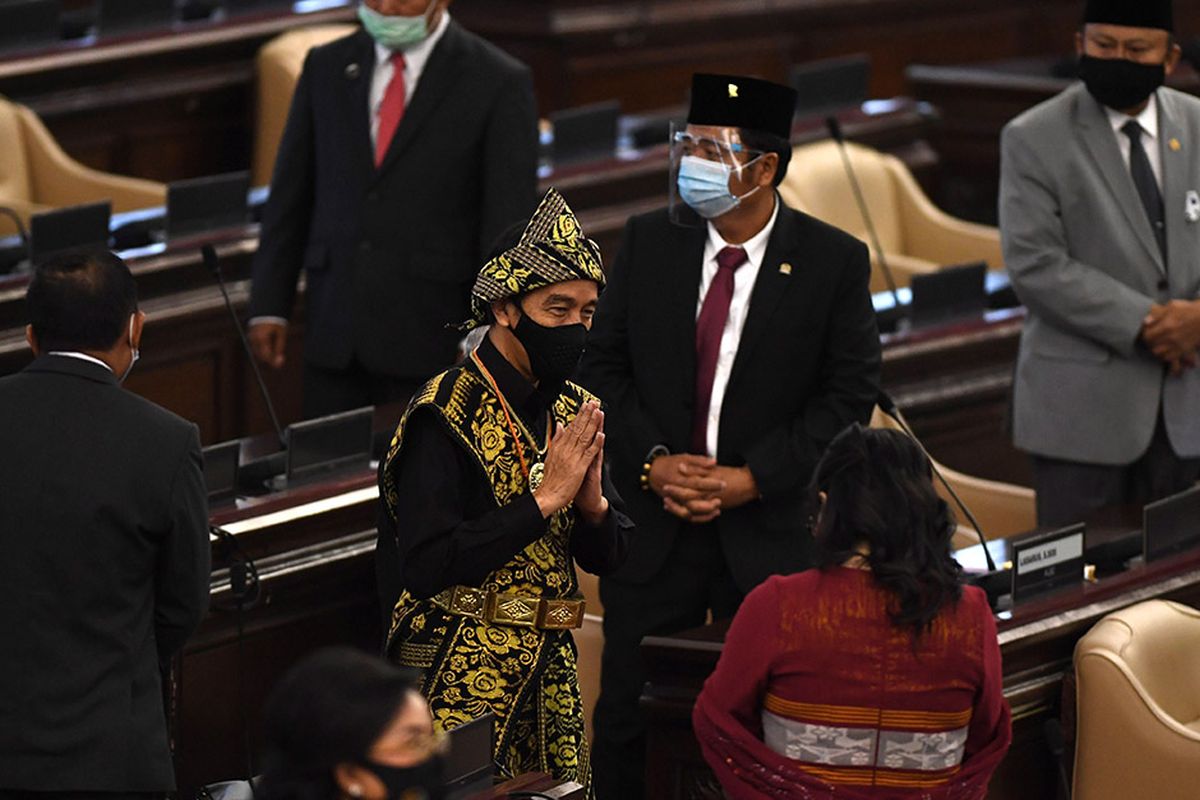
x,y
1148,119
415,58
80,356
739,309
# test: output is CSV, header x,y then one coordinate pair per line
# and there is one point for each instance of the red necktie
x,y
391,109
710,326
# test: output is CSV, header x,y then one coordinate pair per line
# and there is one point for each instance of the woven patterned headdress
x,y
553,249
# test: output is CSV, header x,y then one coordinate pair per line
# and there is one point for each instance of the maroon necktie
x,y
391,109
710,325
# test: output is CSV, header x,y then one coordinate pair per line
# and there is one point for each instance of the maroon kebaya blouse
x,y
818,694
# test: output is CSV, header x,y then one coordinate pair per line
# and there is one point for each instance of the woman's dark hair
x,y
879,492
81,300
328,708
769,143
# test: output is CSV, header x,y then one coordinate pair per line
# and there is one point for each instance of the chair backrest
x,y
1158,644
1003,509
14,160
817,183
280,62
1138,704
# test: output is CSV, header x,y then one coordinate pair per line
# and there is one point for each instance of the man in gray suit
x,y
1100,221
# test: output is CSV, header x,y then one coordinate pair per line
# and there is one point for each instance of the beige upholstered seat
x,y
1138,705
279,64
36,175
1003,509
914,234
589,641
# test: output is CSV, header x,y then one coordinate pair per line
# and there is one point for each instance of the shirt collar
x,y
520,394
80,356
416,56
1148,119
755,246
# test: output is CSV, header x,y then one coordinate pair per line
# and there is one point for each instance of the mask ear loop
x,y
740,167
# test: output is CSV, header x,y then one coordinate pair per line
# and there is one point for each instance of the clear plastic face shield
x,y
710,173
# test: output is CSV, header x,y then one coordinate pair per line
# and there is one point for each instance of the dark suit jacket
x,y
104,575
806,367
390,254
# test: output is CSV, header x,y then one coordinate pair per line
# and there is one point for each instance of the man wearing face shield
x,y
735,340
410,145
493,488
1100,222
104,535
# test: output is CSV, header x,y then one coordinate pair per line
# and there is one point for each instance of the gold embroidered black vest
x,y
525,676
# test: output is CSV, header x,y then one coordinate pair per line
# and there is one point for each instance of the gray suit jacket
x,y
1084,261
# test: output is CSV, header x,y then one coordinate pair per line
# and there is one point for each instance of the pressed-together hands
x,y
696,489
574,466
1172,332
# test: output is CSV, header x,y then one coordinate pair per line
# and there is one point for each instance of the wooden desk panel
x,y
162,103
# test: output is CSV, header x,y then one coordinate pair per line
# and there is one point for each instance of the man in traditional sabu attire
x,y
493,486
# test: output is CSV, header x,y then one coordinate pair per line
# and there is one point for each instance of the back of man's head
x,y
81,301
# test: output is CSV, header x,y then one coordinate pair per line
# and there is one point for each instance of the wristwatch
x,y
655,452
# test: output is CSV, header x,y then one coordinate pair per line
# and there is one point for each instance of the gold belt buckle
x,y
468,601
560,614
514,610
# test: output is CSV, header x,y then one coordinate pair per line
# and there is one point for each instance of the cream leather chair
x,y
279,64
1003,509
1138,705
589,641
915,235
36,175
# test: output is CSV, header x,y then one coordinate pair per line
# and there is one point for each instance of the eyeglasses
x,y
709,148
433,742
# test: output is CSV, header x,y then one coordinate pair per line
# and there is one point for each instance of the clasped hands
x,y
1172,333
694,488
574,467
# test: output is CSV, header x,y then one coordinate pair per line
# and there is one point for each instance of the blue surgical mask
x,y
395,32
704,185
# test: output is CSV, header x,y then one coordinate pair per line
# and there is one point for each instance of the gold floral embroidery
x,y
526,677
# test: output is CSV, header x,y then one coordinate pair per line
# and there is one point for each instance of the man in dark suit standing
x,y
736,338
104,535
410,145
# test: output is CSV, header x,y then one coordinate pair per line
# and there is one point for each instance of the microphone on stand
x,y
888,406
835,132
214,266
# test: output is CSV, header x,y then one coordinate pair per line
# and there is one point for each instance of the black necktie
x,y
1147,186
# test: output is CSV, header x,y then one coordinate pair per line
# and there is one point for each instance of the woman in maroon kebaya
x,y
876,675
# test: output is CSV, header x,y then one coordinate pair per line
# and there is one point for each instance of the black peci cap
x,y
733,101
1132,13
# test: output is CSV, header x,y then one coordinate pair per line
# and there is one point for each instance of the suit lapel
x,y
1178,165
440,72
356,72
770,286
1102,145
682,280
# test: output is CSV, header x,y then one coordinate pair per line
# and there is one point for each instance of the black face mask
x,y
425,781
554,353
1119,83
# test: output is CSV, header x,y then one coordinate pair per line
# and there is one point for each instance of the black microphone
x,y
214,266
835,132
888,406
